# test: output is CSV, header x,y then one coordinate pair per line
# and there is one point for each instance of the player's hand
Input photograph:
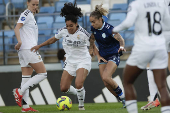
x,y
91,52
18,45
121,49
35,48
101,58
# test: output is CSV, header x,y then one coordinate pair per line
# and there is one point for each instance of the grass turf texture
x,y
90,108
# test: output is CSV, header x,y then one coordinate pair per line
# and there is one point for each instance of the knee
x,y
105,79
79,85
63,88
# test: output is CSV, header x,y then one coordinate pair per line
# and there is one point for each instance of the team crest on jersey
x,y
94,32
22,18
104,35
78,37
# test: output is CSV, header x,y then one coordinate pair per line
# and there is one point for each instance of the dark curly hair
x,y
60,54
71,12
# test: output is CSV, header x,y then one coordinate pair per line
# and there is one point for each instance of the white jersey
x,y
75,45
29,30
151,18
167,3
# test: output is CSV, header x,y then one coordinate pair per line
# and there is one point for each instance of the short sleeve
x,y
110,30
23,18
59,33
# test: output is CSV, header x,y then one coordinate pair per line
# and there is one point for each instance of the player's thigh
x,y
130,73
66,80
160,77
160,60
38,67
109,69
27,70
81,75
102,68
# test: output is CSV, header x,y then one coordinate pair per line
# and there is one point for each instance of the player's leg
x,y
110,83
81,75
153,90
160,79
169,61
26,75
130,74
101,69
159,65
65,83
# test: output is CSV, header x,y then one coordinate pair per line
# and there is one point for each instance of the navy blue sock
x,y
118,91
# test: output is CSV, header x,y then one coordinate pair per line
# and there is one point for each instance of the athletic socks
x,y
25,97
131,106
152,85
165,109
72,90
32,81
119,92
81,96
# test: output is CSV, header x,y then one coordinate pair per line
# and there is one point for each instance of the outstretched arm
x,y
48,42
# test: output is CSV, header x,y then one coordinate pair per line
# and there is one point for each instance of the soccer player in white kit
x,y
150,18
26,32
78,59
153,90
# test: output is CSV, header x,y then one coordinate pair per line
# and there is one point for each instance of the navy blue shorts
x,y
114,58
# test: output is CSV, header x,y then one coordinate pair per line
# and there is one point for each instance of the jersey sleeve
x,y
87,37
166,18
59,34
110,30
23,18
130,18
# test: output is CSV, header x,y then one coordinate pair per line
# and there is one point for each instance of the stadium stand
x,y
49,24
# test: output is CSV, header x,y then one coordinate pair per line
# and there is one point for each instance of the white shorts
x,y
26,57
167,38
72,68
158,59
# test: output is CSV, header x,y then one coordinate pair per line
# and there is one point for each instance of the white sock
x,y
152,85
165,109
131,106
33,81
122,96
72,90
25,97
81,96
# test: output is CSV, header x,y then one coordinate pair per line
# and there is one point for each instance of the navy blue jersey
x,y
108,45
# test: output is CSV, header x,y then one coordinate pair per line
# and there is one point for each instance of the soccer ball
x,y
64,103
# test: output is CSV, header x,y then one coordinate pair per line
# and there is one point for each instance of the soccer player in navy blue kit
x,y
109,51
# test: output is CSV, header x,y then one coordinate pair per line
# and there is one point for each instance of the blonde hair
x,y
102,10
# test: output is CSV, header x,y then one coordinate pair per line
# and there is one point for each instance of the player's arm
x,y
96,52
92,39
118,37
130,18
48,42
17,34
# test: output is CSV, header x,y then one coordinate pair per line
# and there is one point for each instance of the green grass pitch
x,y
90,108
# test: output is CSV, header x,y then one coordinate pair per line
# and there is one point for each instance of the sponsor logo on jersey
x,y
22,18
78,37
104,35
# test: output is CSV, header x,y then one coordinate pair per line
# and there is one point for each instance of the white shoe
x,y
81,108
